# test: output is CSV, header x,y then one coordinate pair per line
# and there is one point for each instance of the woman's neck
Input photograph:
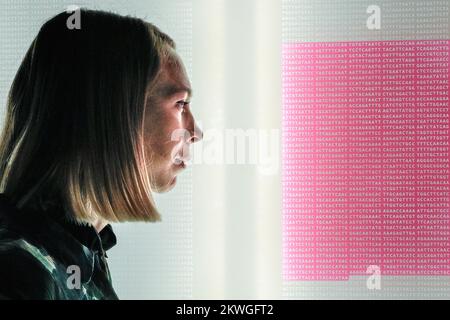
x,y
99,224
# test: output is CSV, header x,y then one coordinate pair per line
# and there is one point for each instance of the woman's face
x,y
169,126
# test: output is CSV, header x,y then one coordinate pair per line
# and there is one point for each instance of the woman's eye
x,y
182,104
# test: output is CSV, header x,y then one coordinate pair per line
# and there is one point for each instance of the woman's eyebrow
x,y
169,90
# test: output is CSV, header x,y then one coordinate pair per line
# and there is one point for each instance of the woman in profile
x,y
98,118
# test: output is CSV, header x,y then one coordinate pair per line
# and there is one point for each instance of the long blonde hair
x,y
73,132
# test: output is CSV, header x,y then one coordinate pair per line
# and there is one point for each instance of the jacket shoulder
x,y
26,272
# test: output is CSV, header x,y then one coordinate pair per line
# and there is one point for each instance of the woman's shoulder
x,y
19,247
42,257
26,269
26,272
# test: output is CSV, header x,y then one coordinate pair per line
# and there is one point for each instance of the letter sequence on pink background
x,y
366,159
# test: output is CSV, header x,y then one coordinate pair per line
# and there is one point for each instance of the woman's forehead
x,y
172,79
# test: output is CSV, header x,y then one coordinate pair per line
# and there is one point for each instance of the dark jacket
x,y
44,255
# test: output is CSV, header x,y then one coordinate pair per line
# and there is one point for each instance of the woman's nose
x,y
196,134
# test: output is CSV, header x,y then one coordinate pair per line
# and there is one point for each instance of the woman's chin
x,y
162,188
173,182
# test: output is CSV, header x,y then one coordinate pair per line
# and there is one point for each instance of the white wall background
x,y
236,209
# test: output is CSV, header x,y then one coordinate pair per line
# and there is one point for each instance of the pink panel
x,y
366,159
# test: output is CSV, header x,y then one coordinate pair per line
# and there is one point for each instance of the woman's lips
x,y
181,165
180,162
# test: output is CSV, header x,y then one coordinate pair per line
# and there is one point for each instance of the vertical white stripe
x,y
208,180
268,187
